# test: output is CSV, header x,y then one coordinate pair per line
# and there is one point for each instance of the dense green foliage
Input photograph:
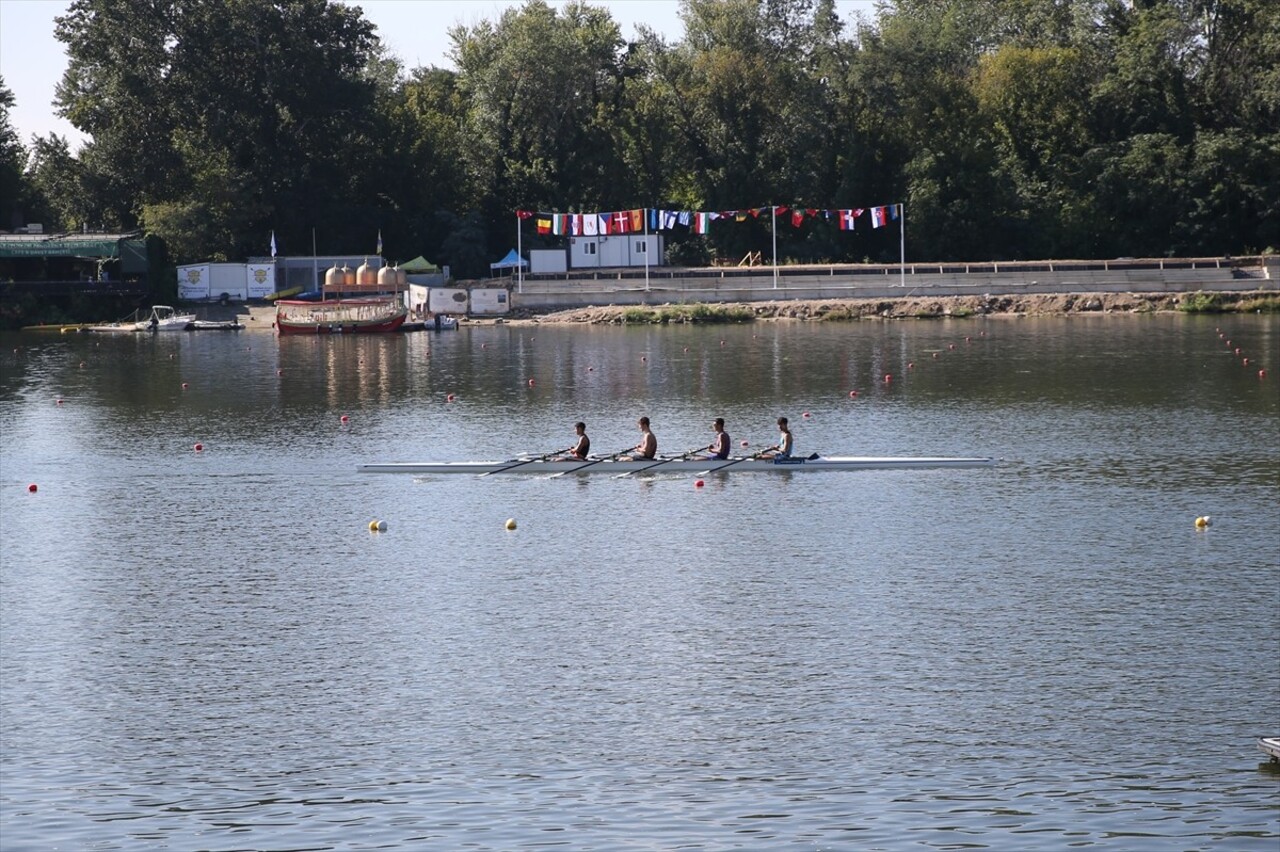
x,y
1010,130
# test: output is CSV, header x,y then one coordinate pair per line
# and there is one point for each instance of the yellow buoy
x,y
1203,522
511,523
377,526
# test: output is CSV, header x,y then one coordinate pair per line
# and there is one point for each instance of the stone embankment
x,y
929,307
262,317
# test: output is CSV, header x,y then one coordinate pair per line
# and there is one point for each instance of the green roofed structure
x,y
63,264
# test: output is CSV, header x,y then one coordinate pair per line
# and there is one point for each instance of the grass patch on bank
x,y
687,314
1202,303
1218,303
1261,305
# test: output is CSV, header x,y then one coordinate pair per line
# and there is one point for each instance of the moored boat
x,y
342,316
216,325
165,318
1270,746
678,464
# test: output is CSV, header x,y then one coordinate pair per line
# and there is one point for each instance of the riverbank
x,y
262,317
922,307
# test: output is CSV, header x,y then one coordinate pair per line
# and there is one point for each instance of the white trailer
x,y
228,282
615,250
490,301
447,300
193,282
260,280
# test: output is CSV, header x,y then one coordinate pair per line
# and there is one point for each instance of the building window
x,y
590,248
642,247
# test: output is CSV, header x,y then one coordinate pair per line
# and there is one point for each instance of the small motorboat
x,y
165,318
1270,746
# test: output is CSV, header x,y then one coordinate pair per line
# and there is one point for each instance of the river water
x,y
210,650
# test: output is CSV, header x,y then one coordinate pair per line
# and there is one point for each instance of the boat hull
x,y
739,465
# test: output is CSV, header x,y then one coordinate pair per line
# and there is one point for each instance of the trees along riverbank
x,y
1009,131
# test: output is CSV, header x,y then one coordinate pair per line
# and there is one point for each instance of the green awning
x,y
61,246
419,265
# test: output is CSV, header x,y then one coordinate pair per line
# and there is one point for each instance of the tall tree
x,y
265,102
13,160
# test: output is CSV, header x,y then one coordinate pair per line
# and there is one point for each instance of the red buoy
x,y
32,488
1246,362
279,372
1237,350
935,354
699,483
531,383
199,448
888,377
450,398
745,443
806,414
853,394
1262,374
911,365
951,346
185,385
344,419
59,402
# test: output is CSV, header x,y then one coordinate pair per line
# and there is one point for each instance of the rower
x,y
785,442
582,448
648,446
719,448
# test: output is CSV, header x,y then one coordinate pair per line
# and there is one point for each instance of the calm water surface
x,y
211,651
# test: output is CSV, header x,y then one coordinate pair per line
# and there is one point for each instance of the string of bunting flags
x,y
650,219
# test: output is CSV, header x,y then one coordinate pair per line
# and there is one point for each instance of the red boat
x,y
343,316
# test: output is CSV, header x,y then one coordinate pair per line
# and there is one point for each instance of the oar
x,y
680,457
588,464
543,457
731,464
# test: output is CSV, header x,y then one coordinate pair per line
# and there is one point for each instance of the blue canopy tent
x,y
512,261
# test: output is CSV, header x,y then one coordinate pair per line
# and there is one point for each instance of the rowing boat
x,y
678,465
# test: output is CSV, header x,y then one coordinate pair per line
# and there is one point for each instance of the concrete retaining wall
x,y
887,282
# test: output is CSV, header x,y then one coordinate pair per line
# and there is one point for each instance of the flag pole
x,y
646,249
519,257
315,266
773,226
902,244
